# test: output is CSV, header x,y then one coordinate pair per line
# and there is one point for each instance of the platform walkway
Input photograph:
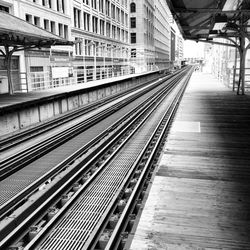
x,y
19,98
200,195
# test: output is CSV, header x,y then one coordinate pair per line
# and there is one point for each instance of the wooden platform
x,y
200,196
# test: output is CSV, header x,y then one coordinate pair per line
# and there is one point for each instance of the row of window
x,y
93,24
104,5
58,5
80,19
51,26
93,48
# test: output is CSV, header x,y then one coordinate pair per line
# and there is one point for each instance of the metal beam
x,y
209,10
212,42
196,27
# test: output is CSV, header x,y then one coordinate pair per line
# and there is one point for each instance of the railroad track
x,y
28,134
15,189
13,163
106,178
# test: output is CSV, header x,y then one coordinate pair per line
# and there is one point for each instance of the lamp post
x,y
95,57
84,59
104,63
109,46
123,59
115,48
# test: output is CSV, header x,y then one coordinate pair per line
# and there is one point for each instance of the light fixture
x,y
213,32
219,22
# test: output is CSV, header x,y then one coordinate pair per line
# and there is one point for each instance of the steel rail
x,y
26,192
22,136
13,163
53,240
116,241
91,180
16,200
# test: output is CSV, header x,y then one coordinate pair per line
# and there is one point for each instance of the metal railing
x,y
43,80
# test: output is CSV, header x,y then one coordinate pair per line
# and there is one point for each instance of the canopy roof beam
x,y
17,34
209,10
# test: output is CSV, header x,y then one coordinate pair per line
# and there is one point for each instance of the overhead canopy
x,y
17,32
198,19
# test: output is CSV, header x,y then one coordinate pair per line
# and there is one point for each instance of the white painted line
x,y
184,126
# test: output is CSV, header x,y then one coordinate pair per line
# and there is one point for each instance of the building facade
x,y
100,30
150,35
163,21
33,69
112,38
142,35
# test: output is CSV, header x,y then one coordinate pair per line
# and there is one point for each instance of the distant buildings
x,y
162,38
102,30
33,68
112,38
150,36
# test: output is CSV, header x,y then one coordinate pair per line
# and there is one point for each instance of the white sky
x,y
193,49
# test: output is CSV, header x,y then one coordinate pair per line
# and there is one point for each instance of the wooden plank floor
x,y
200,196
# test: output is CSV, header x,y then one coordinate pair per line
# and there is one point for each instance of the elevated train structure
x,y
82,178
214,22
80,155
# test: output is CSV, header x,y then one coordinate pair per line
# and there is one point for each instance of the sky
x,y
193,49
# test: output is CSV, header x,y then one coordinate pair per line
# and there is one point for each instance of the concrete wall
x,y
23,117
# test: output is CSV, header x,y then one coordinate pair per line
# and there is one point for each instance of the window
x,y
126,19
126,36
86,21
113,11
78,46
66,31
102,23
87,47
46,24
37,21
132,8
118,33
133,22
53,27
60,29
113,31
77,18
108,29
36,68
46,3
107,7
101,6
60,5
94,5
118,14
133,37
28,18
3,8
95,24
123,36
63,8
122,17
